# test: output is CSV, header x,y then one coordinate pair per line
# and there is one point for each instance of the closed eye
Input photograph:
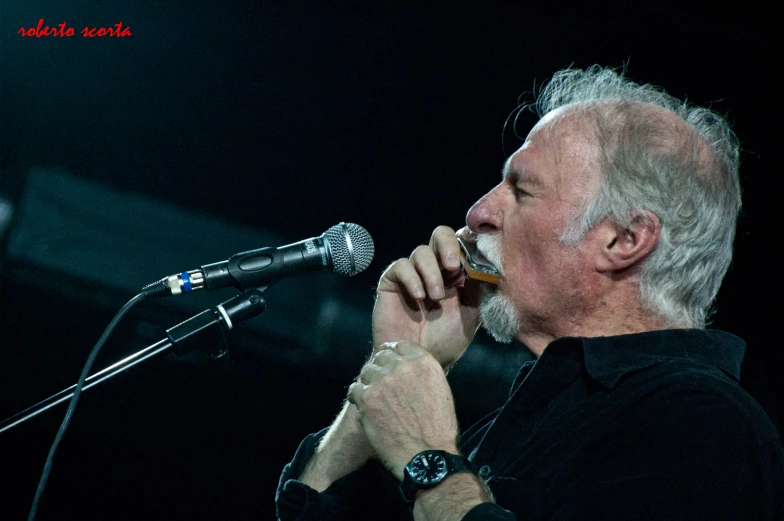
x,y
519,192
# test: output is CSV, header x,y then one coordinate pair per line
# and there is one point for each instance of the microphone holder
x,y
205,330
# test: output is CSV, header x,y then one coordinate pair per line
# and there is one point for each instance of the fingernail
x,y
419,292
438,292
452,261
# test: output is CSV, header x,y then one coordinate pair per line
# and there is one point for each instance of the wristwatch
x,y
429,468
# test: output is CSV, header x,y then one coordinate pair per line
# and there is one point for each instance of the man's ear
x,y
623,247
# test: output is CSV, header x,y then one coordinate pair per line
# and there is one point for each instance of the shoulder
x,y
685,395
687,433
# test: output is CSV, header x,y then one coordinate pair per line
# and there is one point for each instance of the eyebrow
x,y
516,176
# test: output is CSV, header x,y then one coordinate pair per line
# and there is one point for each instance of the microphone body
x,y
346,248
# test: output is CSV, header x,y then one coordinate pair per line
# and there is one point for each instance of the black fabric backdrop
x,y
269,122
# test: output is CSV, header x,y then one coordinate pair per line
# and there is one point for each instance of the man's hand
x,y
405,405
442,322
426,299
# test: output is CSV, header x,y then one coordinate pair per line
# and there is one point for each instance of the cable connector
x,y
157,289
176,284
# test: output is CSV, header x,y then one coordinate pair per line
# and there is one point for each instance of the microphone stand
x,y
212,323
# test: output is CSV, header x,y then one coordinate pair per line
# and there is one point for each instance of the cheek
x,y
537,260
522,263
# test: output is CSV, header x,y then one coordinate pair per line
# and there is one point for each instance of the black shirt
x,y
646,426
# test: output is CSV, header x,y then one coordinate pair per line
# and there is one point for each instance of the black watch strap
x,y
454,464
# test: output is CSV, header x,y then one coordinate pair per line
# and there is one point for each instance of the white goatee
x,y
499,316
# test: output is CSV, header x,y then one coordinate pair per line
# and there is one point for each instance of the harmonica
x,y
473,267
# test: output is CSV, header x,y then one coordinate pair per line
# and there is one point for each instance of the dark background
x,y
274,121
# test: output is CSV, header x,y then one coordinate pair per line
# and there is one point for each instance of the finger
x,y
403,273
406,348
426,264
390,346
447,249
371,373
355,392
385,358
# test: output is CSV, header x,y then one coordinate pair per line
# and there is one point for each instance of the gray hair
x,y
649,165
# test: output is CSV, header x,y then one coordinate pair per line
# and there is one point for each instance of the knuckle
x,y
440,232
443,230
409,368
404,367
370,397
397,266
422,249
433,277
380,356
389,357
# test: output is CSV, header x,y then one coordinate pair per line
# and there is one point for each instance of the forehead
x,y
519,168
562,148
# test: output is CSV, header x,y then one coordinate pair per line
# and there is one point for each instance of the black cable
x,y
77,391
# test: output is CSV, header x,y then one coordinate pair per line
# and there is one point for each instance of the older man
x,y
612,229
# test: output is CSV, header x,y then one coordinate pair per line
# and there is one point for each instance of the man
x,y
612,229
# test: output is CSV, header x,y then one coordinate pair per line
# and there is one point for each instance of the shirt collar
x,y
607,359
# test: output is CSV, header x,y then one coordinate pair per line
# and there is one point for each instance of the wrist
x,y
428,469
342,450
451,500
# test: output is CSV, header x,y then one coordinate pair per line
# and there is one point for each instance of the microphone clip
x,y
207,330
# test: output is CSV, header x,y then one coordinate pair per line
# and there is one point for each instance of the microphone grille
x,y
352,248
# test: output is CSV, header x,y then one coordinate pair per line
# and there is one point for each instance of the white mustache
x,y
489,245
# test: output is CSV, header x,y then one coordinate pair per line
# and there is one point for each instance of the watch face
x,y
427,468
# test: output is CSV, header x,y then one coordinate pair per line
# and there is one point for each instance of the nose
x,y
485,216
